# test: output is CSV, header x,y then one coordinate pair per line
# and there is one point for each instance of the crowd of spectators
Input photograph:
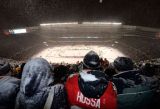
x,y
23,86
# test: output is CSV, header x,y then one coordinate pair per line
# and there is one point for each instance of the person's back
x,y
9,87
60,74
121,64
91,89
36,87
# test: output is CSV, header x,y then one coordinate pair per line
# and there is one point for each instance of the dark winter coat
x,y
9,87
4,69
93,88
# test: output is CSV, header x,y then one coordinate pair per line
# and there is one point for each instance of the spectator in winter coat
x,y
4,68
17,71
123,64
91,89
9,87
60,74
37,90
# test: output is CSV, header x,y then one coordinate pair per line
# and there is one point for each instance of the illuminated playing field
x,y
72,54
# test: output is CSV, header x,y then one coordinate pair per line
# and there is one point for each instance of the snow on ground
x,y
72,54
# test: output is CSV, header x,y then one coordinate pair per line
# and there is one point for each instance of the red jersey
x,y
76,98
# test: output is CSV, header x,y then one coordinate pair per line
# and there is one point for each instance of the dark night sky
x,y
18,13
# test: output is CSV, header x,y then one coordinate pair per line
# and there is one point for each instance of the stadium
x,y
63,42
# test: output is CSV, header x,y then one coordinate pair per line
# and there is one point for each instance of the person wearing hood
x,y
37,90
90,88
9,87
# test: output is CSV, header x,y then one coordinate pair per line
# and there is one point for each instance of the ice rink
x,y
69,43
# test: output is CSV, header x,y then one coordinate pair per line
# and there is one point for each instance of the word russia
x,y
88,101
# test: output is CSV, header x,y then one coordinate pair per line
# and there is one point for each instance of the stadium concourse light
x,y
68,23
18,31
52,24
105,23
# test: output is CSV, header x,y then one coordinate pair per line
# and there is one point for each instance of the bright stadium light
x,y
100,1
53,24
73,23
18,31
105,23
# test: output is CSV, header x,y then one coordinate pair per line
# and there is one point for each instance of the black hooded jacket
x,y
93,83
35,86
